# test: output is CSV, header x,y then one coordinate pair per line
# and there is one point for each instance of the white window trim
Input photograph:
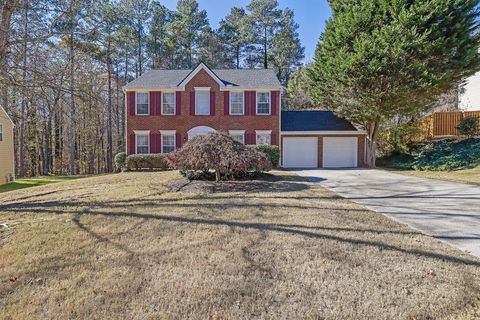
x,y
230,102
136,103
259,132
174,104
201,89
269,103
168,133
141,133
238,132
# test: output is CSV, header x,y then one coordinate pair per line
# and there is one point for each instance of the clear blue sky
x,y
309,14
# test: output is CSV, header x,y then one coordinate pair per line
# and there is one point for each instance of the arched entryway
x,y
199,131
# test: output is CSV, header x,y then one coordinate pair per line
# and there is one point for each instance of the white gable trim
x,y
5,115
201,66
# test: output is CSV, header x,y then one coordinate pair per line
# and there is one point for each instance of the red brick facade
x,y
183,121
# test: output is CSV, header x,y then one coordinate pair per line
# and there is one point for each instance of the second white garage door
x,y
300,152
340,152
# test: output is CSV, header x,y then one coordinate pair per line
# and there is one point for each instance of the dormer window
x,y
142,104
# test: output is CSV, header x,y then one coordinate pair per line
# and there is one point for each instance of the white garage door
x,y
300,152
340,152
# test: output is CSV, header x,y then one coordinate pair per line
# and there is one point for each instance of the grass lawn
x,y
33,182
470,176
128,246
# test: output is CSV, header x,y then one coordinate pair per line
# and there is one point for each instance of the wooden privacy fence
x,y
440,124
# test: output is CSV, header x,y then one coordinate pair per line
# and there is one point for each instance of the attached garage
x,y
320,139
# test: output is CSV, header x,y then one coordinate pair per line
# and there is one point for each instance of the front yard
x,y
470,176
137,246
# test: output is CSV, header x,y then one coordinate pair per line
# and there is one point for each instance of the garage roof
x,y
314,121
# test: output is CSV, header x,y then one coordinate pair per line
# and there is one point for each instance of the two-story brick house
x,y
165,108
168,107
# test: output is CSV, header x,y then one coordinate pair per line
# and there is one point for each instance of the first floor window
x,y
202,102
168,103
238,135
168,143
143,145
1,132
263,102
142,103
263,138
236,103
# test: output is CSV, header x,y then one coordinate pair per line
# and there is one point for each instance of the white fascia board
x,y
286,133
162,89
196,70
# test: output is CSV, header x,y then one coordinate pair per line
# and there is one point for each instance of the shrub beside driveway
x,y
131,246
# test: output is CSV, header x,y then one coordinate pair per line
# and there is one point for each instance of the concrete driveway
x,y
447,211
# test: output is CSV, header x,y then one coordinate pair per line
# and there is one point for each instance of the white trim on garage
x,y
323,133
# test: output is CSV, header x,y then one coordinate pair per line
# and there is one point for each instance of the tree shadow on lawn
x,y
267,227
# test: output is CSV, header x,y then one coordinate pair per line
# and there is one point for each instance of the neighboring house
x,y
469,94
165,108
7,167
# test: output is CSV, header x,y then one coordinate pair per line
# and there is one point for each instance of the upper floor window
x,y
142,103
263,103
1,132
168,142
168,103
236,103
143,143
202,102
263,137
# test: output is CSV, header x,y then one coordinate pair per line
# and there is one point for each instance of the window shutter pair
x,y
226,103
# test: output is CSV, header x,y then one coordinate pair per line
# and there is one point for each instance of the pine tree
x,y
287,50
233,33
188,27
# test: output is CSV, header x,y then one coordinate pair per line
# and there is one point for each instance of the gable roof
x,y
201,66
314,121
230,78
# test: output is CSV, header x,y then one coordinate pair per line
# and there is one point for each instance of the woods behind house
x,y
63,65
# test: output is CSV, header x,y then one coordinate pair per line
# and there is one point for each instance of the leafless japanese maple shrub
x,y
219,152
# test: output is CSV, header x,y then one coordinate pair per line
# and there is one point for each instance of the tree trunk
x,y
71,128
109,124
265,52
21,144
372,131
5,20
217,175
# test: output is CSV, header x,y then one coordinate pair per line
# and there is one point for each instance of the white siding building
x,y
469,94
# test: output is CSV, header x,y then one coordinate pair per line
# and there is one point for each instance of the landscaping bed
x,y
131,246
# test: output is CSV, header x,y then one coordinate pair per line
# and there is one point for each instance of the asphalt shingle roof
x,y
314,121
245,78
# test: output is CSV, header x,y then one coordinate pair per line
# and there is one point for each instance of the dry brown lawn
x,y
126,246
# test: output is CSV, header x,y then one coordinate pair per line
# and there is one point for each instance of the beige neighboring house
x,y
7,165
